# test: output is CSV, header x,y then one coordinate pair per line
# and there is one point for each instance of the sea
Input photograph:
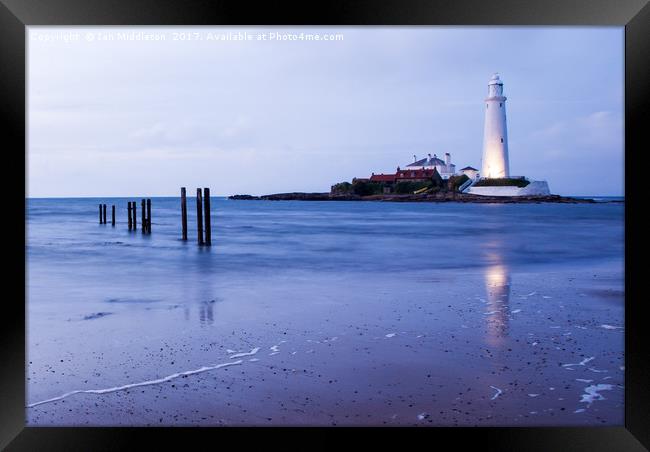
x,y
326,313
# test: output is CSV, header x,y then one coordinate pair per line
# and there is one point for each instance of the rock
x,y
243,197
424,197
96,315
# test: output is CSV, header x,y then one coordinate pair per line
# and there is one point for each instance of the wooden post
x,y
113,215
199,216
130,217
148,215
208,229
134,211
104,213
100,214
184,213
143,217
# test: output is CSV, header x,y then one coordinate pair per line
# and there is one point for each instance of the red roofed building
x,y
415,175
407,175
426,173
389,178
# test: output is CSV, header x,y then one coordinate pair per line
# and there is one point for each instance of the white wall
x,y
535,188
470,173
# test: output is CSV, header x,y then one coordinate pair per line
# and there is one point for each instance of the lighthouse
x,y
495,134
495,154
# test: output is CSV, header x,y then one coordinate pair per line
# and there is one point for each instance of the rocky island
x,y
423,197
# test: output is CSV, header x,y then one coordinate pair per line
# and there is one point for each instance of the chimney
x,y
415,159
447,158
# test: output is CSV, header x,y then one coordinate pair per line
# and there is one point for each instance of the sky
x,y
142,111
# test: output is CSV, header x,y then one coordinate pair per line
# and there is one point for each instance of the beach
x,y
327,313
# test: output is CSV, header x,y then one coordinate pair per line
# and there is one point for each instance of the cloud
x,y
551,132
599,131
301,115
224,133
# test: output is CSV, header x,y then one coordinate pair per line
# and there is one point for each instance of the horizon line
x,y
225,196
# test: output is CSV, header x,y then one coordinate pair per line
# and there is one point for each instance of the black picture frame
x,y
15,15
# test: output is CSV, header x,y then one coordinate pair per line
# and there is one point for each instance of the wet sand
x,y
541,347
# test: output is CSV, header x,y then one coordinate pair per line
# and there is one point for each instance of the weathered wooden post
x,y
113,215
104,213
134,211
130,217
199,216
184,213
143,217
100,214
208,229
149,215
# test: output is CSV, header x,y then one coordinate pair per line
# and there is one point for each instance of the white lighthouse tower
x,y
495,134
495,153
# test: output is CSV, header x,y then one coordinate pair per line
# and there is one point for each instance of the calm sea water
x,y
356,313
251,237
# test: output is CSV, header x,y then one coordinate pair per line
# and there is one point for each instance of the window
x,y
502,140
500,105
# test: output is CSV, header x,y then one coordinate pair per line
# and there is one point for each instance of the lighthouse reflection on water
x,y
497,288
